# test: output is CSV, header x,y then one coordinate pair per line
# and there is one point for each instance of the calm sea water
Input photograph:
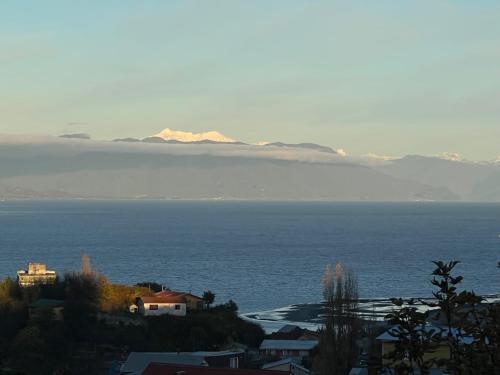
x,y
262,255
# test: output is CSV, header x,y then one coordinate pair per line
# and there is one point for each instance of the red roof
x,y
164,299
169,369
171,293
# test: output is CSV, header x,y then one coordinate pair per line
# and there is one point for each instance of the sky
x,y
383,77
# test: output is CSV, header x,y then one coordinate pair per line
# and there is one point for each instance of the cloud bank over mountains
x,y
184,165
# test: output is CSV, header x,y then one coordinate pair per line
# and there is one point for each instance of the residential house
x,y
160,305
43,306
281,349
170,369
192,302
37,274
388,342
288,366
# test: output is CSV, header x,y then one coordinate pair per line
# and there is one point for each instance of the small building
x,y
192,302
281,349
37,274
441,351
42,306
288,366
160,305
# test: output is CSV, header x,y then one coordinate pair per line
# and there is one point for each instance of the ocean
x,y
262,255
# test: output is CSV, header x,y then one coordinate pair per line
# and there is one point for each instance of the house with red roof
x,y
192,302
167,302
160,305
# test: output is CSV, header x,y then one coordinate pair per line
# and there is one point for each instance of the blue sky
x,y
385,77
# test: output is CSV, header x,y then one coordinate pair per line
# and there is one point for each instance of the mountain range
x,y
185,165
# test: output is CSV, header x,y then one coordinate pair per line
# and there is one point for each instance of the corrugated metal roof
x,y
429,328
288,344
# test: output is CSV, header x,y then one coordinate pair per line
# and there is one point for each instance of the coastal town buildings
x,y
37,274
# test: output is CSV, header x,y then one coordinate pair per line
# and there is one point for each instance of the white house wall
x,y
165,308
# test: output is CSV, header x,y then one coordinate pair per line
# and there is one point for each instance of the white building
x,y
37,274
160,305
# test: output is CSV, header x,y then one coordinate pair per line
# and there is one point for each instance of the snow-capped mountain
x,y
182,136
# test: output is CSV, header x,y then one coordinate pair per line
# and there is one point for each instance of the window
x,y
177,307
233,362
153,307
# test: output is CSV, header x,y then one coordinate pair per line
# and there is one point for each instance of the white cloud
x,y
452,156
341,152
372,155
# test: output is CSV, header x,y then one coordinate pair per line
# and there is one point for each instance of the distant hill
x,y
52,167
470,181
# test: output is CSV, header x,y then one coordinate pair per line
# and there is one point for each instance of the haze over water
x,y
262,255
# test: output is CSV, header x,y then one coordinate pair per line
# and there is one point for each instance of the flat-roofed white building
x,y
37,274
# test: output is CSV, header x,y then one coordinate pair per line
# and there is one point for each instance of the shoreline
x,y
311,315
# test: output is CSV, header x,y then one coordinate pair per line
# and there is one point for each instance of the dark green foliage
x,y
92,331
470,330
208,297
415,339
201,330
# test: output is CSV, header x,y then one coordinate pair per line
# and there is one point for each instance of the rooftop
x,y
288,344
138,361
166,369
428,328
163,299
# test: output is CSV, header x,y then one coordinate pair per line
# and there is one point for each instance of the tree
x,y
337,349
208,297
414,339
27,351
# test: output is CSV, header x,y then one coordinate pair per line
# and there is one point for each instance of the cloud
x,y
372,155
62,147
452,156
341,152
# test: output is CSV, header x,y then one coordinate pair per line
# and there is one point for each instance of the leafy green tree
x,y
413,339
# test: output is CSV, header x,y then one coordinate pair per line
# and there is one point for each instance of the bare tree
x,y
86,265
338,340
